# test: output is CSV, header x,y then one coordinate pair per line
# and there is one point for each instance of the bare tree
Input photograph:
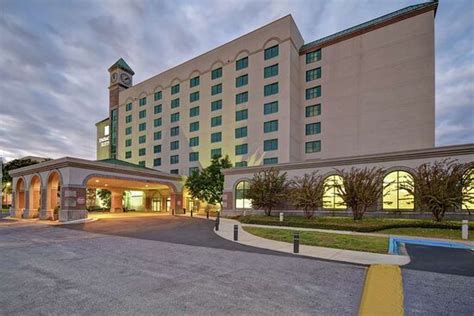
x,y
268,189
307,193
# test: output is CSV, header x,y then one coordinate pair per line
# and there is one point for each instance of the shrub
x,y
268,189
307,192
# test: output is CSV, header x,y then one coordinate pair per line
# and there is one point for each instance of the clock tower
x,y
120,79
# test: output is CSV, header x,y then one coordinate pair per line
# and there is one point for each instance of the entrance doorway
x,y
156,205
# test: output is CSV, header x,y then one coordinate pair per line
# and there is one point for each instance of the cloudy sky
x,y
54,57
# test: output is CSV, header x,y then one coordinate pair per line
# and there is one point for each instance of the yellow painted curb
x,y
383,291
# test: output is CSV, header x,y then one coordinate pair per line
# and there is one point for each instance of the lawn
x,y
428,232
339,241
4,211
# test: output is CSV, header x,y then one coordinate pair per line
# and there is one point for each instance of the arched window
x,y
330,199
468,191
241,200
395,197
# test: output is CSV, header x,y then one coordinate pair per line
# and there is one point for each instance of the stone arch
x,y
330,200
54,181
34,191
218,63
20,199
394,196
158,88
170,185
129,100
195,73
272,41
142,94
468,190
175,81
244,203
241,54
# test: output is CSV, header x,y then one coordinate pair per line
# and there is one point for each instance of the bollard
x,y
281,217
236,232
207,214
217,225
191,212
296,242
465,229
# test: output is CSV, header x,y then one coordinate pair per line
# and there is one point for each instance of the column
x,y
73,204
116,201
148,200
45,212
227,203
33,197
26,199
176,203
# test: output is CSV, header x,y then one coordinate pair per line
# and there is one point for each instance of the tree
x,y
439,187
105,196
90,198
360,189
307,192
268,189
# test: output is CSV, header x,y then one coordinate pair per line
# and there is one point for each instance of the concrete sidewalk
x,y
226,230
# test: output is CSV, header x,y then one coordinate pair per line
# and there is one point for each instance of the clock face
x,y
114,77
125,78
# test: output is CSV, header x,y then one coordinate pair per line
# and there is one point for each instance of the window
x,y
313,128
142,101
270,144
313,56
175,89
157,135
216,89
175,117
241,164
128,154
194,156
216,73
174,145
156,162
241,132
313,74
241,115
270,161
158,108
194,141
270,89
270,126
142,139
157,122
241,97
142,114
142,152
193,97
157,149
216,137
468,190
174,103
128,118
174,131
128,142
216,121
241,149
216,105
193,170
395,197
194,126
330,198
128,107
271,107
128,130
174,159
216,152
142,127
313,147
241,192
194,82
271,52
158,95
194,111
312,93
241,81
141,163
242,63
174,171
270,71
313,110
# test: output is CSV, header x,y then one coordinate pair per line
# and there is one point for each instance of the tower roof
x,y
122,65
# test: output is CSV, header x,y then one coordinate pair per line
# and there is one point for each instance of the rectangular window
x,y
174,159
216,105
194,82
242,63
313,128
158,95
241,149
142,152
128,154
194,156
142,139
216,73
313,74
174,117
313,56
270,89
157,149
175,89
174,103
241,132
216,137
194,126
128,118
142,101
158,108
241,81
216,121
271,107
142,127
313,92
193,97
313,147
270,126
128,142
194,111
241,164
174,171
270,161
141,163
271,52
241,97
216,89
270,144
174,131
241,115
270,71
142,114
193,170
313,110
128,130
216,152
174,145
128,107
156,162
157,122
157,135
194,141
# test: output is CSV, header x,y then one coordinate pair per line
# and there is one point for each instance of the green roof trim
x,y
123,163
370,23
122,65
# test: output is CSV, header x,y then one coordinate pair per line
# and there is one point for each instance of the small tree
x,y
307,193
268,189
360,189
439,187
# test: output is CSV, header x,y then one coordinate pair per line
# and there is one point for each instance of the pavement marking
x,y
383,291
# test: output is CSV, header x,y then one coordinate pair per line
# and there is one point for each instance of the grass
x,y
339,241
4,211
428,232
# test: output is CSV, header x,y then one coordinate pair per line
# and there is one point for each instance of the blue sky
x,y
54,57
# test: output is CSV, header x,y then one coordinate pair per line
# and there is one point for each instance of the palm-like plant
x,y
307,193
268,189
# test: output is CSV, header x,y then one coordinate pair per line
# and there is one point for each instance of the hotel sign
x,y
104,141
